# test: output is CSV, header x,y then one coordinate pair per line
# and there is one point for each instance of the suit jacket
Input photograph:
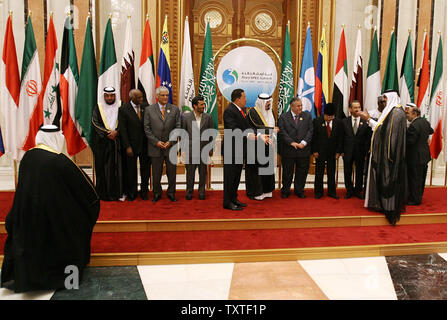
x,y
290,132
188,124
233,119
418,151
358,145
157,129
131,129
326,146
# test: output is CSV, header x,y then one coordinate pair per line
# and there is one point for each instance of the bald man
x,y
134,144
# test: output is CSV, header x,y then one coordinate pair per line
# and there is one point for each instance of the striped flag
x,y
356,90
207,84
424,80
321,79
187,88
306,82
48,110
391,79
127,65
436,104
164,67
88,85
373,88
407,76
69,89
30,87
286,81
340,97
10,91
146,74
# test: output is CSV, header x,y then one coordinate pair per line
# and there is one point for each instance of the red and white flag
x,y
10,91
127,65
146,74
423,101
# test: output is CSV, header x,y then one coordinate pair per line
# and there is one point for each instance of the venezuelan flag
x,y
164,69
321,79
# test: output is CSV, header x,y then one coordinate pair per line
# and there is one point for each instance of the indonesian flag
x,y
424,80
127,65
10,91
69,88
356,91
30,87
436,105
340,96
146,74
48,107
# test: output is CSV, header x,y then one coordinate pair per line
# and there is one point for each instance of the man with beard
x,y
106,147
51,220
387,173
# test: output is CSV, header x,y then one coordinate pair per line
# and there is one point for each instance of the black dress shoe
x,y
348,195
300,195
359,195
188,197
412,203
201,197
172,198
318,196
240,204
284,195
333,196
233,207
144,196
131,198
156,198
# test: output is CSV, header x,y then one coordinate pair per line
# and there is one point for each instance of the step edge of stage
x,y
258,223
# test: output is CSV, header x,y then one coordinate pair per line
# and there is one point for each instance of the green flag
x,y
207,82
88,81
391,78
373,76
407,76
286,80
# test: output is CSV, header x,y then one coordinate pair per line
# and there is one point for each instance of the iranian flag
x,y
407,76
30,87
127,65
373,88
356,90
146,74
48,110
340,96
436,105
424,80
108,67
10,91
69,89
187,89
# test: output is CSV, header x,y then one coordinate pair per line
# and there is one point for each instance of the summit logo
x,y
230,76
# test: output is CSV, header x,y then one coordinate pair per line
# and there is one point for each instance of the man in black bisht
x,y
106,147
387,172
51,220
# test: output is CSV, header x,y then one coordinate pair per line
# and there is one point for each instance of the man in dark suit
x,y
160,119
418,154
134,144
356,142
196,123
234,148
326,148
295,136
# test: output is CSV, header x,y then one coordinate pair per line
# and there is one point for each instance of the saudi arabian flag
x,y
207,84
407,76
373,76
286,81
88,82
391,79
109,75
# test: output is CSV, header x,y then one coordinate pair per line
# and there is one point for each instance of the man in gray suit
x,y
295,133
160,119
196,123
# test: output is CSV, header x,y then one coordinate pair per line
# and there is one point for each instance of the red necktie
x,y
242,111
328,128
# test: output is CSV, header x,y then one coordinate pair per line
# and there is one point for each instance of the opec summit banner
x,y
247,68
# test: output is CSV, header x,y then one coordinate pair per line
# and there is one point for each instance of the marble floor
x,y
415,277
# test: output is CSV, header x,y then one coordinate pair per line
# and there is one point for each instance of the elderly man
x,y
418,154
160,119
106,146
134,144
51,220
260,176
387,174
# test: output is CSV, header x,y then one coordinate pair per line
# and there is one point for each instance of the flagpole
x,y
431,174
15,175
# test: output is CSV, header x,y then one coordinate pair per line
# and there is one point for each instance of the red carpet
x,y
262,239
435,201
